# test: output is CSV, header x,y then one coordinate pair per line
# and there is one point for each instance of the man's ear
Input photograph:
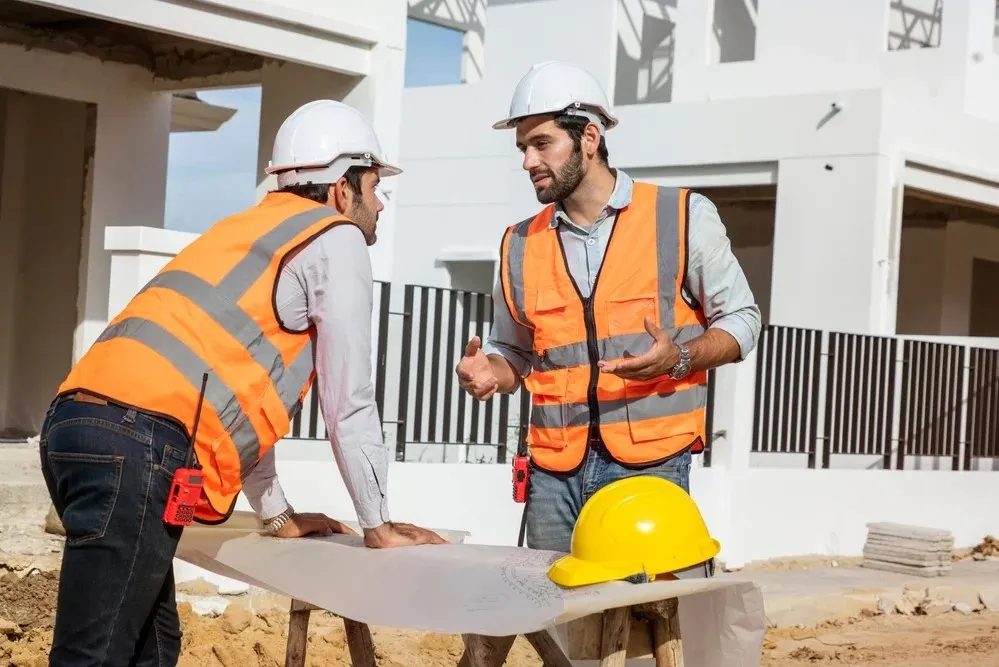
x,y
339,196
592,135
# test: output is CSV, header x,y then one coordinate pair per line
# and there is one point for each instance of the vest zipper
x,y
591,343
589,318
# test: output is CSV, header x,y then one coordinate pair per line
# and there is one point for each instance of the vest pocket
x,y
551,326
650,413
626,317
549,411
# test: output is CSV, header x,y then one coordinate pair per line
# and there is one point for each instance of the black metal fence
x,y
879,396
818,394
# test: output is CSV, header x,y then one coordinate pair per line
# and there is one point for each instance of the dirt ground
x,y
241,638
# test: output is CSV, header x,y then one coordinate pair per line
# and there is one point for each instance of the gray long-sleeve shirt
x,y
714,277
329,284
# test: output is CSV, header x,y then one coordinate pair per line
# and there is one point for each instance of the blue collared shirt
x,y
714,277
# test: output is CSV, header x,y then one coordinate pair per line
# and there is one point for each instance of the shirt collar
x,y
620,197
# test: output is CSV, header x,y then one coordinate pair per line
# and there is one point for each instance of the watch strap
x,y
273,524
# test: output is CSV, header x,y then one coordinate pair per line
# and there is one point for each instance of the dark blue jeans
x,y
108,471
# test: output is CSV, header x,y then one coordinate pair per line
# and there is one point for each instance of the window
x,y
433,54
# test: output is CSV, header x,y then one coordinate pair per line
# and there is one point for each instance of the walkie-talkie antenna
x,y
194,430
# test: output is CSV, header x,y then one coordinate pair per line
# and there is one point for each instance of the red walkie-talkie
x,y
521,481
185,490
521,472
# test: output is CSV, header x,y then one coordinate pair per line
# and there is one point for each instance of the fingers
x,y
635,368
419,535
342,528
654,331
473,346
480,386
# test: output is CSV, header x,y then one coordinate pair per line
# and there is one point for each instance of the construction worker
x,y
262,303
612,303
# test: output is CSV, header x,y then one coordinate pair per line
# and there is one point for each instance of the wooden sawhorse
x,y
612,636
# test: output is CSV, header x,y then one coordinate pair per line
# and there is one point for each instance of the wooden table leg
x,y
665,623
360,644
485,651
298,633
359,641
614,642
549,652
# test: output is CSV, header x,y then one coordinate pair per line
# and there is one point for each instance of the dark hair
x,y
319,192
574,126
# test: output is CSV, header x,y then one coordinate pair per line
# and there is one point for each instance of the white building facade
x,y
849,145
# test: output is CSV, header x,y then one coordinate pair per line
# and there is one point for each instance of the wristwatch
x,y
274,524
682,367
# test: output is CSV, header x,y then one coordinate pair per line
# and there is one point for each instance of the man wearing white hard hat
x,y
613,303
178,405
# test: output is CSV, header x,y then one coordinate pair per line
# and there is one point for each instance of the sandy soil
x,y
241,638
950,640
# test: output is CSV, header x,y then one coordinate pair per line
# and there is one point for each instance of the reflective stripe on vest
x,y
211,309
642,274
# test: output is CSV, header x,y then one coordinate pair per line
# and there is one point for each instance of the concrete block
x,y
936,607
990,598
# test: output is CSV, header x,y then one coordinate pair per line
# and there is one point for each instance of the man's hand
x,y
475,373
392,534
657,362
300,525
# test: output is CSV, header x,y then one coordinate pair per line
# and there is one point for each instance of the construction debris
x,y
894,547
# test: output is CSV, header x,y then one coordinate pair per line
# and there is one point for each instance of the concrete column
x,y
127,187
14,126
832,265
735,404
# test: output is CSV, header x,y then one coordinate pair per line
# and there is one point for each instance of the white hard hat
x,y
559,87
320,140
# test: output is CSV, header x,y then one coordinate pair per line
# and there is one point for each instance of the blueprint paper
x,y
463,588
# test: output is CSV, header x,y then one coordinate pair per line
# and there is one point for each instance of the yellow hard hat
x,y
633,526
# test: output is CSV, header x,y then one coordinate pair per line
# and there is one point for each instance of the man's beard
x,y
366,220
569,176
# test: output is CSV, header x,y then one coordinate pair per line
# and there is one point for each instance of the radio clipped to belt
x,y
185,489
521,472
521,482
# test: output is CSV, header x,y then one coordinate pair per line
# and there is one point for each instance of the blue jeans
x,y
554,500
108,471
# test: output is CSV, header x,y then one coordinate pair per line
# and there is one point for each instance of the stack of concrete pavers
x,y
894,547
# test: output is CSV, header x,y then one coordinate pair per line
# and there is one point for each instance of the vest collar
x,y
620,198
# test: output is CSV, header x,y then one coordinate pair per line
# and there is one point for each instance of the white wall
x,y
831,243
756,513
750,105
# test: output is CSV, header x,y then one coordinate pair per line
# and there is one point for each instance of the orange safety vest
x,y
642,273
211,309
